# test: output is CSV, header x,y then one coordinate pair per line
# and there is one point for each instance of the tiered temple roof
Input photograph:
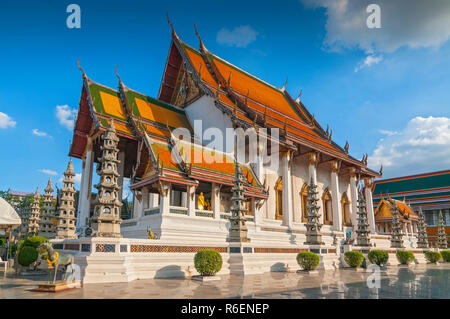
x,y
384,214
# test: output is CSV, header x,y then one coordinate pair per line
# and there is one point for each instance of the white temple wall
x,y
300,175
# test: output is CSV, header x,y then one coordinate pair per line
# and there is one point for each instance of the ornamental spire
x,y
396,235
66,210
174,34
422,236
46,226
238,229
106,219
442,236
313,226
363,238
33,222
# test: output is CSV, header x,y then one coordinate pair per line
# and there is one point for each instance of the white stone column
x,y
190,190
120,169
335,195
215,200
312,168
287,189
353,198
164,204
84,199
369,205
138,207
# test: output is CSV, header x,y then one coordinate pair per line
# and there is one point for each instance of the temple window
x,y
176,198
279,199
327,211
248,207
345,210
304,198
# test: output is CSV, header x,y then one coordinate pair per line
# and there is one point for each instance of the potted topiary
x,y
378,257
27,256
446,255
405,257
433,256
308,261
208,262
354,259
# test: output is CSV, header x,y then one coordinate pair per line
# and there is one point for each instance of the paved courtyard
x,y
418,281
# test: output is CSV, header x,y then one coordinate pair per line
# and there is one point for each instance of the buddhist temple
x,y
191,186
429,192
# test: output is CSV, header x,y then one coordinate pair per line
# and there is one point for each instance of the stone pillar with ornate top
x,y
84,199
190,190
215,200
336,208
312,167
287,189
354,197
369,205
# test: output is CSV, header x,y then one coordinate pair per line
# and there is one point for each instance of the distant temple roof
x,y
384,210
19,193
429,189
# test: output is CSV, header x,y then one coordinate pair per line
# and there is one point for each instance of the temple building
x,y
429,192
383,216
247,194
199,86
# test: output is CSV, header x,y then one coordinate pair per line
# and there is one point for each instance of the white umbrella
x,y
9,219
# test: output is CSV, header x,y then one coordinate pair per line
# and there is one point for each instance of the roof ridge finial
x,y
174,34
81,69
285,83
202,46
299,96
117,73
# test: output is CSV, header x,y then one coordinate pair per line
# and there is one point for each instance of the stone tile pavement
x,y
419,281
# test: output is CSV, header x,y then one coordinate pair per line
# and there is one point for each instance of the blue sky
x,y
384,90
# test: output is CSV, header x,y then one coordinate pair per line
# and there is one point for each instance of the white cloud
x,y
369,61
387,132
6,121
48,171
411,23
36,131
66,116
238,37
422,146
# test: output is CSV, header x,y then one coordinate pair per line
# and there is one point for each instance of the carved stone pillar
x,y
287,189
164,204
84,199
215,200
312,167
369,204
191,200
335,195
354,197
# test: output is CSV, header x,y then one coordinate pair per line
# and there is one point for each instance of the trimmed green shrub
x,y
2,241
433,256
208,262
308,260
446,255
353,258
405,257
378,257
35,241
27,256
